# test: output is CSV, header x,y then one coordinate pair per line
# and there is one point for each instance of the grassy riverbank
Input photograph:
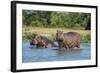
x,y
28,32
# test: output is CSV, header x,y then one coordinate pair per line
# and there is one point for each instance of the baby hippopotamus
x,y
42,41
68,40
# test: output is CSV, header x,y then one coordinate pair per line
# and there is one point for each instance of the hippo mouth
x,y
32,43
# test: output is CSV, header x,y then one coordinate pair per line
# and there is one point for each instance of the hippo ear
x,y
35,34
61,31
57,31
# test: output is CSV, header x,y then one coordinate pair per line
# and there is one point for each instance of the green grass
x,y
28,32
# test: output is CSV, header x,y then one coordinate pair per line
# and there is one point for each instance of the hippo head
x,y
34,40
59,35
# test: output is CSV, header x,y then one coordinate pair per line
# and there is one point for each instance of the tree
x,y
56,19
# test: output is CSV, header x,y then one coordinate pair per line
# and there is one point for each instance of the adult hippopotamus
x,y
68,40
42,41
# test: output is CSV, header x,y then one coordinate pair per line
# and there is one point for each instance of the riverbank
x,y
28,32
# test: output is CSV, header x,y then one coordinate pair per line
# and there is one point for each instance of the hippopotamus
x,y
42,41
68,40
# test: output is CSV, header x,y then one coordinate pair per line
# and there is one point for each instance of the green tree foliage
x,y
55,19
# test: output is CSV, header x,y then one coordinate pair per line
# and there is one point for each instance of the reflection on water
x,y
33,54
65,52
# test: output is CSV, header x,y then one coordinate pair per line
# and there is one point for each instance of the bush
x,y
86,38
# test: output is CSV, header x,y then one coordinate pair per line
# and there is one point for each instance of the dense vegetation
x,y
56,19
46,23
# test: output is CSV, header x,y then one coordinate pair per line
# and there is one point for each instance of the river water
x,y
34,54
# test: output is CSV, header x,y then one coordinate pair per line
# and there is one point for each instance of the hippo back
x,y
68,40
48,41
72,39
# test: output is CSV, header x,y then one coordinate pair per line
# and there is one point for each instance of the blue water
x,y
33,54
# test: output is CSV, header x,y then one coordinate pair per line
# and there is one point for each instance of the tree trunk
x,y
88,27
